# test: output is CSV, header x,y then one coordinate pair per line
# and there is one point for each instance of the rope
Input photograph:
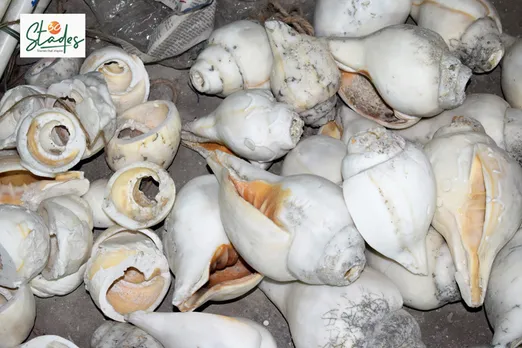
x,y
294,18
169,84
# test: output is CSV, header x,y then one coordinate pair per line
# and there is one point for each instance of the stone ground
x,y
76,317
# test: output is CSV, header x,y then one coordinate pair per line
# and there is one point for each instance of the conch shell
x,y
237,56
470,28
288,228
206,265
25,245
125,74
251,124
20,187
127,203
390,192
50,141
122,335
422,292
127,272
317,155
94,197
44,288
512,75
49,341
17,315
304,74
366,313
479,199
357,18
47,71
503,303
177,330
147,132
431,78
10,121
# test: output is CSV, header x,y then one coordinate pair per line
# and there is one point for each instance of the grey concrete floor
x,y
76,317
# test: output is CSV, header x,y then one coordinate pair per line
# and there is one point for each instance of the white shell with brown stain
x,y
288,228
147,132
127,272
479,199
188,330
17,315
206,266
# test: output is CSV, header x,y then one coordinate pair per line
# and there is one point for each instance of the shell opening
x,y
113,67
60,137
145,191
143,119
133,292
117,75
129,133
197,80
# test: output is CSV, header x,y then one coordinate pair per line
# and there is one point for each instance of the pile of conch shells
x,y
408,193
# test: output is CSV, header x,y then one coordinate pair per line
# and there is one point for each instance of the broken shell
x,y
318,155
470,28
10,122
347,123
89,97
24,246
127,272
237,56
44,288
126,203
69,219
479,199
49,341
146,132
20,187
47,71
356,18
368,310
94,197
389,188
503,305
125,74
251,124
17,315
122,335
512,75
50,141
438,79
175,330
422,292
206,265
304,74
288,228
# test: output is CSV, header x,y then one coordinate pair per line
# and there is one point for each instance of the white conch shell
x,y
10,122
288,228
421,78
44,288
503,303
69,219
189,330
479,199
357,18
49,341
471,29
112,334
251,124
389,188
366,313
147,132
50,141
20,187
422,292
94,197
24,245
304,74
125,74
318,155
89,97
206,266
127,272
237,56
512,75
125,202
47,71
17,315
